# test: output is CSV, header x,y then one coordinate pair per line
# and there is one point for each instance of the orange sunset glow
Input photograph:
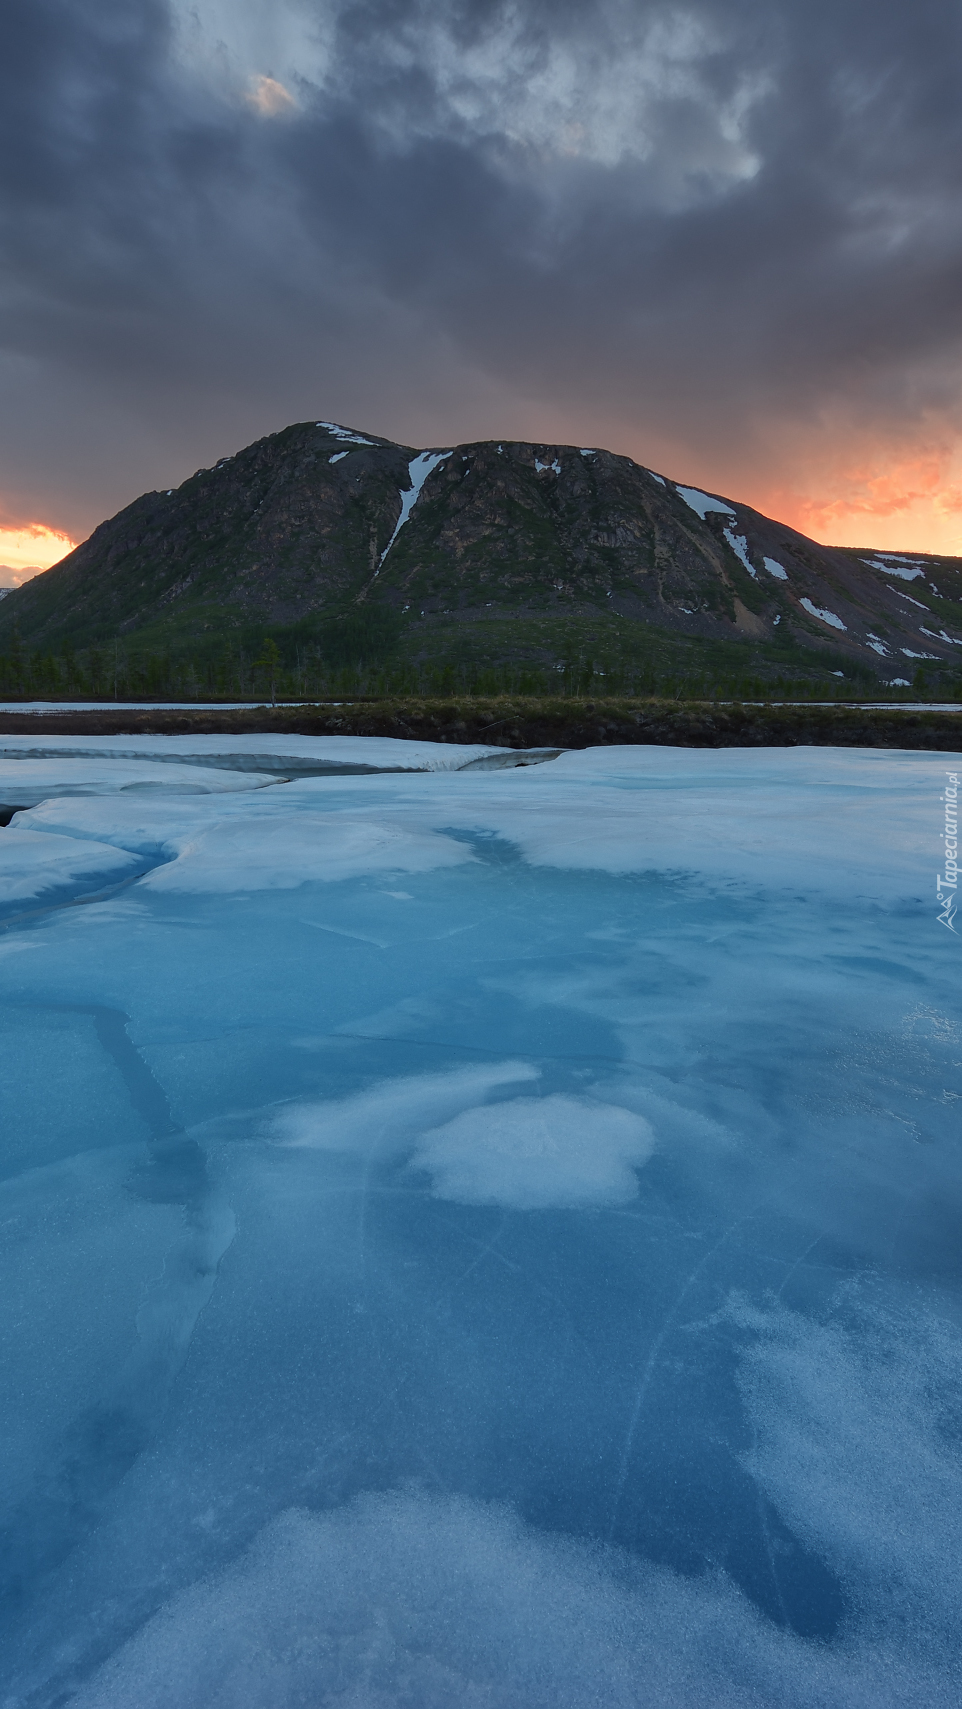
x,y
24,552
901,500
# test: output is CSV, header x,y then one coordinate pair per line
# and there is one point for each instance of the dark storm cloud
x,y
693,220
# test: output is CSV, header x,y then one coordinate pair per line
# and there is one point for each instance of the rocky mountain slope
x,y
319,526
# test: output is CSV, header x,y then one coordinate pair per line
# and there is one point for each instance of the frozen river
x,y
478,1237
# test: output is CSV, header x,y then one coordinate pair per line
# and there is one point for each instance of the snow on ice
x,y
478,1234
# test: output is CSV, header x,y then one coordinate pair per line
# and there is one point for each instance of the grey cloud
x,y
688,220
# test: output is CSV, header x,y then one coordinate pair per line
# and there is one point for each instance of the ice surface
x,y
291,849
28,778
823,616
484,1237
701,503
32,865
270,752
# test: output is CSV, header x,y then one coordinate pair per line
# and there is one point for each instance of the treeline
x,y
263,673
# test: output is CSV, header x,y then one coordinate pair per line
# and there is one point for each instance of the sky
x,y
722,238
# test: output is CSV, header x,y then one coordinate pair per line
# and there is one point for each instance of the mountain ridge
x,y
320,529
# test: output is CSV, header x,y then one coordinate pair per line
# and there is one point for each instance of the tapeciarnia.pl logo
x,y
947,881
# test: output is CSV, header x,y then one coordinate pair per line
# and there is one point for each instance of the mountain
x,y
489,550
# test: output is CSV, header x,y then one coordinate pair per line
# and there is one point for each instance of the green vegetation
x,y
372,655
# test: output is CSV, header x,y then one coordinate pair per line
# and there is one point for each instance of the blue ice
x,y
481,1237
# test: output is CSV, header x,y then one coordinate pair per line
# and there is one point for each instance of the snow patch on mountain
x,y
344,433
739,546
896,569
701,502
823,616
419,469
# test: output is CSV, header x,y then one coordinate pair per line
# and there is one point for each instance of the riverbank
x,y
527,722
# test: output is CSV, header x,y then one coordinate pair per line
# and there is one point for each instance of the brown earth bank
x,y
532,723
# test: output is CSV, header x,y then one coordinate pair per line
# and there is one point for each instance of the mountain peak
x,y
314,522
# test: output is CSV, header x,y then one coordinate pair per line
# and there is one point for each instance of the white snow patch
x,y
279,853
541,467
556,1153
823,616
915,602
900,682
266,752
876,645
391,1116
774,568
419,469
941,636
739,545
588,451
659,478
337,456
25,781
701,502
910,655
344,433
899,569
